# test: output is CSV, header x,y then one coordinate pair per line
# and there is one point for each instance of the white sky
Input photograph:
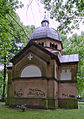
x,y
34,14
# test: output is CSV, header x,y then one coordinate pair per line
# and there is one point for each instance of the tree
x,y
69,13
75,45
13,35
1,83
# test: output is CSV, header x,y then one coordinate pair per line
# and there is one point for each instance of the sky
x,y
33,15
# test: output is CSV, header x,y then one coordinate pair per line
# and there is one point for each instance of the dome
x,y
45,31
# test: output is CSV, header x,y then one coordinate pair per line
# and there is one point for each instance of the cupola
x,y
45,22
47,37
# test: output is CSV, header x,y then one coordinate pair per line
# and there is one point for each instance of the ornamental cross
x,y
30,57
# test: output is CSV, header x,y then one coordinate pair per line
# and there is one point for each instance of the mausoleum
x,y
40,75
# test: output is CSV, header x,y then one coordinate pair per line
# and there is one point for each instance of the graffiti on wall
x,y
35,92
18,93
68,95
31,92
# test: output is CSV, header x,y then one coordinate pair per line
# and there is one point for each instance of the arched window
x,y
39,43
31,71
42,44
50,45
55,46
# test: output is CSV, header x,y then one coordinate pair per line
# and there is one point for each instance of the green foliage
x,y
13,34
75,45
69,13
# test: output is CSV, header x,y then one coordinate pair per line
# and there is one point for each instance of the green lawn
x,y
8,113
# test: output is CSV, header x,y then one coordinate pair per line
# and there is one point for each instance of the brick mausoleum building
x,y
40,76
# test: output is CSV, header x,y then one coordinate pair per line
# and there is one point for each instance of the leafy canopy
x,y
69,13
13,36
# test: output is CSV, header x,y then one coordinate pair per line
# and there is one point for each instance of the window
x,y
41,44
55,46
31,71
66,75
50,45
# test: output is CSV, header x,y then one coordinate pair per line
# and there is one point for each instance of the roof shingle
x,y
69,58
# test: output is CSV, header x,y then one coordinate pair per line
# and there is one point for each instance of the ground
x,y
9,113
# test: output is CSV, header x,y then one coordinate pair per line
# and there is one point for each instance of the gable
x,y
30,53
36,49
30,59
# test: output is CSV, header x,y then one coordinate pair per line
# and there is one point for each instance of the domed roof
x,y
45,31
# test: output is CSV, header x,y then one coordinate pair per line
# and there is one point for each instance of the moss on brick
x,y
68,103
43,103
52,104
10,101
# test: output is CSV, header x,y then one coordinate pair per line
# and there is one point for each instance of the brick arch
x,y
31,71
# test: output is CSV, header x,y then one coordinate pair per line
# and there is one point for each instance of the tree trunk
x,y
4,81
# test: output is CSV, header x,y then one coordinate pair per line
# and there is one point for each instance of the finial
x,y
45,21
45,14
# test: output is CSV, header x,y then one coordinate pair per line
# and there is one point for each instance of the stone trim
x,y
9,68
35,53
51,48
70,63
67,81
45,78
26,78
67,98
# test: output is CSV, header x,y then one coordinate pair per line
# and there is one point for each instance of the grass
x,y
9,113
81,105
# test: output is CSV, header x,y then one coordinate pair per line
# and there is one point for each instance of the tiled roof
x,y
45,32
69,58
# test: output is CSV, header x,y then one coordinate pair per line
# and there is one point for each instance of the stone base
x,y
68,103
34,103
42,103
